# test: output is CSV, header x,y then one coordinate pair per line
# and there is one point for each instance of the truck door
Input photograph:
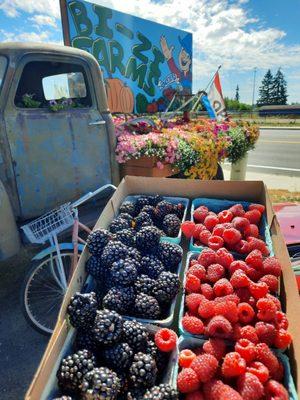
x,y
58,141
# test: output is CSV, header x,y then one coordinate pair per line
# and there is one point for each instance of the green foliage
x,y
235,105
265,90
273,90
141,103
237,93
239,145
189,156
29,102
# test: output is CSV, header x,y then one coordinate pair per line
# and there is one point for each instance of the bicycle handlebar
x,y
89,195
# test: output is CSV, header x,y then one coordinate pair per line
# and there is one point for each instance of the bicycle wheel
x,y
42,292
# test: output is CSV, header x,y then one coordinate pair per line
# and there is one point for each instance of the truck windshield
x,y
3,64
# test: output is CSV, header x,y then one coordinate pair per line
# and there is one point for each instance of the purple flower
x,y
53,103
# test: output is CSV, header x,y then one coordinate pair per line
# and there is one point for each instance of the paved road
x,y
277,151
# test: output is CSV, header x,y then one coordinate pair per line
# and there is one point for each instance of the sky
x,y
238,34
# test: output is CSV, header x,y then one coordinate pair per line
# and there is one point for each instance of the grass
x,y
279,196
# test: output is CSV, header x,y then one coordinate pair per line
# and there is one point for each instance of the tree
x,y
279,95
237,93
266,89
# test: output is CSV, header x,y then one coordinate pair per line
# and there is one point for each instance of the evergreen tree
x,y
279,95
237,93
266,89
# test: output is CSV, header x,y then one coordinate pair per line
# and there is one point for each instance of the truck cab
x,y
56,131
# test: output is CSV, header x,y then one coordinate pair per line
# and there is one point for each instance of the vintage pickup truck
x,y
56,133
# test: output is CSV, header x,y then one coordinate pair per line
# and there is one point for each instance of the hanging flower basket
x,y
147,166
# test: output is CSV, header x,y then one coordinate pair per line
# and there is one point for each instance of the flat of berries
x,y
225,298
235,228
216,371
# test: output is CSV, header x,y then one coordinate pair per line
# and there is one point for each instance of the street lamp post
x,y
253,92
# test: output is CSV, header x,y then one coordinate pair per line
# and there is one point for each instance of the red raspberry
x,y
225,216
242,247
207,291
224,258
217,390
231,236
207,257
245,313
258,290
275,391
215,242
237,210
240,223
271,281
222,287
210,222
165,339
253,274
255,259
279,373
250,387
237,331
275,300
266,332
249,332
271,266
281,320
192,325
258,244
187,381
205,367
188,228
194,396
253,216
197,270
260,370
204,236
206,309
216,347
233,365
228,309
193,262
198,229
219,327
254,206
283,339
238,264
215,272
252,302
246,349
229,297
251,230
192,301
192,284
239,279
200,214
267,357
185,358
218,230
266,309
243,294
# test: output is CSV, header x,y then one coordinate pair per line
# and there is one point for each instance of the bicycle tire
x,y
28,310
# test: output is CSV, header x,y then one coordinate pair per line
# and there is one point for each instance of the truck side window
x,y
3,64
44,83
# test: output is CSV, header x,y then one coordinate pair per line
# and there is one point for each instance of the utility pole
x,y
253,93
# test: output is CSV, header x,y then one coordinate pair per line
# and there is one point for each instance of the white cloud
x,y
12,8
42,20
45,37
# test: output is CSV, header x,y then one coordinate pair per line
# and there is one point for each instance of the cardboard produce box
x,y
253,191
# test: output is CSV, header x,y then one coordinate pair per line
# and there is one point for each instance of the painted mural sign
x,y
144,63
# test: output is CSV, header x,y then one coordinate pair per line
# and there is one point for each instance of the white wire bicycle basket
x,y
52,223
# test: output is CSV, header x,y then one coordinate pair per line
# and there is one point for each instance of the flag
x,y
214,102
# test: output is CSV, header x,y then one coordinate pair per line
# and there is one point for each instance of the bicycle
x,y
52,268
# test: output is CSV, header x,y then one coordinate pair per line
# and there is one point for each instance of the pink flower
x,y
160,165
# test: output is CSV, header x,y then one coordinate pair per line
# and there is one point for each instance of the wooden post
x,y
65,22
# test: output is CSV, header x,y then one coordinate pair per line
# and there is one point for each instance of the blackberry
x,y
170,254
161,360
166,287
118,357
123,272
127,217
134,254
150,265
144,284
135,334
82,310
142,220
179,210
100,383
136,393
151,349
85,341
97,240
118,224
95,268
141,202
72,369
150,210
146,306
162,209
120,300
143,370
161,392
154,200
128,208
171,225
147,238
127,237
112,252
108,327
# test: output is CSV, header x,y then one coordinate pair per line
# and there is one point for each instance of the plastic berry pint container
x,y
218,205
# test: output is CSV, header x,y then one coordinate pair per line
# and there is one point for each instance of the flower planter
x,y
147,166
238,169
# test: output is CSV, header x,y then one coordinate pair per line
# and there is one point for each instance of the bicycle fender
x,y
49,250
